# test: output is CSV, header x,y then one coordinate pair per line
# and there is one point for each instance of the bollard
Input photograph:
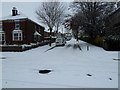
x,y
87,48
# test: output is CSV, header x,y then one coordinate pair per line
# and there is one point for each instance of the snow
x,y
69,67
23,45
36,33
17,30
10,17
0,72
19,17
1,31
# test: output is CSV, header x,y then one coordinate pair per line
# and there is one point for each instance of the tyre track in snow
x,y
50,48
64,85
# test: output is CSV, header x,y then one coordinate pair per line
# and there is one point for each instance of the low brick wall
x,y
11,48
20,48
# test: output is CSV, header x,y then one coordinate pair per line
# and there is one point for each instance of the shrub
x,y
99,41
113,42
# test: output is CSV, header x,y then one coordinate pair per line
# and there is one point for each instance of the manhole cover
x,y
44,71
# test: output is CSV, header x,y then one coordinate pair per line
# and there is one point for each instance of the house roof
x,y
19,16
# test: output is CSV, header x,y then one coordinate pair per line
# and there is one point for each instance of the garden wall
x,y
20,48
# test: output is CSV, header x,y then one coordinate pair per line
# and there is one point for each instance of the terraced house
x,y
19,29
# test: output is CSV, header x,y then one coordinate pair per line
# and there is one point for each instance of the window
x,y
17,24
17,35
2,36
0,26
2,33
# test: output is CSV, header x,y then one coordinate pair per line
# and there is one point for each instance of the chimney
x,y
14,11
118,4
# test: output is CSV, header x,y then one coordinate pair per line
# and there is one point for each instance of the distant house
x,y
113,21
118,4
19,29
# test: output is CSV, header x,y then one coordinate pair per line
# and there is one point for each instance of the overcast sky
x,y
27,8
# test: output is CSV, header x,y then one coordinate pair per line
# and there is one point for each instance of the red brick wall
x,y
8,27
28,28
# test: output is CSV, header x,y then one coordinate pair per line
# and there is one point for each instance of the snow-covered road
x,y
69,66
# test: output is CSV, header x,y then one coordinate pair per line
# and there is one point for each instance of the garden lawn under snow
x,y
71,67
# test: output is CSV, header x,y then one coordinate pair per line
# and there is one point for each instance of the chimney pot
x,y
14,11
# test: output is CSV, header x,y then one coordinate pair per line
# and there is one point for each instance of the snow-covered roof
x,y
36,33
19,16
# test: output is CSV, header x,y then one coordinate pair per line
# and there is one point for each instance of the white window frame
x,y
0,26
19,37
1,36
17,24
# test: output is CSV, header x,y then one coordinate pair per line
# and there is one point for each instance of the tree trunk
x,y
77,35
50,37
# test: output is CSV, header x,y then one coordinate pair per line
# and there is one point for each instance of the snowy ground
x,y
69,67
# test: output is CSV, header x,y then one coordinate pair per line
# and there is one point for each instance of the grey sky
x,y
27,8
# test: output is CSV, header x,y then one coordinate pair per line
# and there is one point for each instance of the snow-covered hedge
x,y
111,42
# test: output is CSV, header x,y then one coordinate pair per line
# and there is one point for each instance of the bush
x,y
99,41
86,38
113,42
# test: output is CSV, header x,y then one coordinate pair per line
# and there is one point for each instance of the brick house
x,y
19,29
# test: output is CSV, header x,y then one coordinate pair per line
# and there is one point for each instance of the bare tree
x,y
92,14
51,14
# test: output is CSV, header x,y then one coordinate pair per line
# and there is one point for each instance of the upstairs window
x,y
17,24
17,35
0,26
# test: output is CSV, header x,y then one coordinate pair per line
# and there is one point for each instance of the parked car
x,y
60,40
